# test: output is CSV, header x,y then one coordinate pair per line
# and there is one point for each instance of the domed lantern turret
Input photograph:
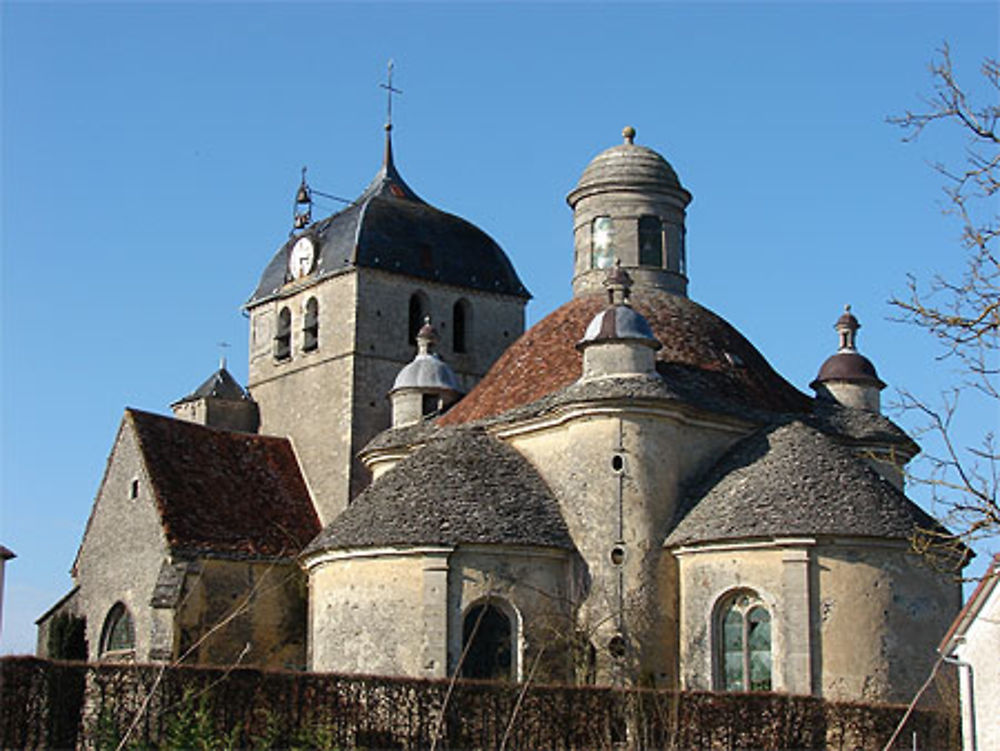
x,y
628,207
426,386
618,341
849,377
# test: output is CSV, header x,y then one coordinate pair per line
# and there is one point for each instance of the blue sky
x,y
150,154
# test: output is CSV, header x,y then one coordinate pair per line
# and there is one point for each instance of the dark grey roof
x,y
858,426
389,227
848,366
220,385
792,480
465,488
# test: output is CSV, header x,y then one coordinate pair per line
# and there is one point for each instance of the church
x,y
412,484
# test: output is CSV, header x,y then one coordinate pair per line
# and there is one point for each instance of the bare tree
x,y
961,311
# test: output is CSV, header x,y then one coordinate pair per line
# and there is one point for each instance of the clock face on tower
x,y
302,258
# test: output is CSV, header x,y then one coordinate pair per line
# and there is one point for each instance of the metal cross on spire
x,y
389,92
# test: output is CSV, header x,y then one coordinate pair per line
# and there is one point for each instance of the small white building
x,y
973,644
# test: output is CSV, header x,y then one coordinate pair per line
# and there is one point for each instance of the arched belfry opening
x,y
419,309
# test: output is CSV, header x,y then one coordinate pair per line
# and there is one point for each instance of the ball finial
x,y
629,133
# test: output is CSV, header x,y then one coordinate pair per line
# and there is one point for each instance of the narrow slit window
x,y
418,310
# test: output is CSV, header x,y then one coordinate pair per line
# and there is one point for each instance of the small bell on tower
x,y
302,211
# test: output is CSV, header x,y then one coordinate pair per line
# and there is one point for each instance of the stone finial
x,y
628,133
426,337
847,327
619,285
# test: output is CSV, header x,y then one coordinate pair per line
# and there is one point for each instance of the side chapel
x,y
627,492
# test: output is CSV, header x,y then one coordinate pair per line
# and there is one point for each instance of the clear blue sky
x,y
151,153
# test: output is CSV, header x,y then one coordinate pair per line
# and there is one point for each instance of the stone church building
x,y
411,484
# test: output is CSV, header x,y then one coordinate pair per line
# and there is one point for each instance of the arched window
x,y
460,326
283,335
650,241
490,655
744,639
310,326
602,243
418,311
118,634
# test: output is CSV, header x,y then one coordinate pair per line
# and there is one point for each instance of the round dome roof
x,y
627,166
544,359
467,488
848,366
426,372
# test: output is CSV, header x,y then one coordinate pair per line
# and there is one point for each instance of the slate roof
x,y
223,492
544,359
389,227
791,479
464,488
220,385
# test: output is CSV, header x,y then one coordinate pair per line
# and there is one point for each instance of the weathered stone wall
x,y
308,396
618,473
534,588
880,612
850,619
257,608
364,614
333,400
121,553
400,612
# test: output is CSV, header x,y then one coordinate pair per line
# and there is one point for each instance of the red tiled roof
x,y
544,359
225,492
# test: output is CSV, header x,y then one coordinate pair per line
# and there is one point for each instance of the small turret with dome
x,y
848,377
618,341
629,207
426,386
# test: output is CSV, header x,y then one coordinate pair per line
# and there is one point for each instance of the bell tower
x,y
337,312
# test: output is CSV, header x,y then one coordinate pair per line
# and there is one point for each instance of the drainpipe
x,y
968,707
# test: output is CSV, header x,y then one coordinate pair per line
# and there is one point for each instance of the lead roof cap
x,y
389,227
628,166
618,321
848,365
427,371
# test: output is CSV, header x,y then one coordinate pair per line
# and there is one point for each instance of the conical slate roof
x,y
389,227
465,488
791,480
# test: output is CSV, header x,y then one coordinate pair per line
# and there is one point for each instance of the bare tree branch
x,y
961,313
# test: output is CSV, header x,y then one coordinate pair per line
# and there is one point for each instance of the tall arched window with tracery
x,y
490,655
744,643
118,633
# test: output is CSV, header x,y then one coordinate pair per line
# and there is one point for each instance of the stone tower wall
x,y
333,400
